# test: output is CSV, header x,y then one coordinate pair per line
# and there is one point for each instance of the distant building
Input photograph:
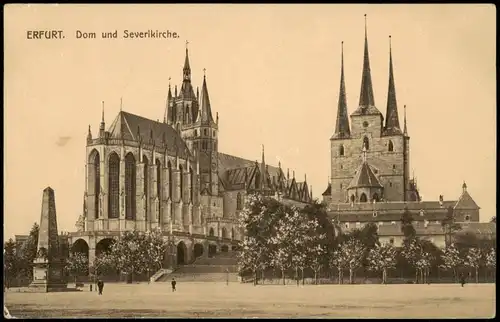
x,y
370,173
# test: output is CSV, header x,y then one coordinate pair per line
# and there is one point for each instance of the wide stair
x,y
220,268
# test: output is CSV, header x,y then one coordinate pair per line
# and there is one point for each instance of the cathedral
x,y
370,177
144,174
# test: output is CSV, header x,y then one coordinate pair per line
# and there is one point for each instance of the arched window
x,y
169,165
391,146
211,232
224,232
353,198
205,132
114,186
366,143
376,197
130,182
232,233
191,180
146,184
195,133
95,175
363,198
238,201
181,182
341,150
158,187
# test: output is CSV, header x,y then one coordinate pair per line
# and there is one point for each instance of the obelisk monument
x,y
48,266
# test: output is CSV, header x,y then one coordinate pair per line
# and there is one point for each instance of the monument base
x,y
48,278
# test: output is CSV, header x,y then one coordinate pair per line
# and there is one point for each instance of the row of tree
x,y
285,238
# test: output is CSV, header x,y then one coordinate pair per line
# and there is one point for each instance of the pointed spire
x,y
187,69
311,191
198,94
405,130
366,95
89,134
102,125
342,129
205,114
288,174
121,104
305,177
392,120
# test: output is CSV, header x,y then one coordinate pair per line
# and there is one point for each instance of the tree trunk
x,y
255,277
315,277
263,276
454,274
340,276
297,275
477,275
384,275
351,275
422,276
416,275
283,276
303,277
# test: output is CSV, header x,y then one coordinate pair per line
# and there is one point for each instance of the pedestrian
x,y
100,286
462,279
173,284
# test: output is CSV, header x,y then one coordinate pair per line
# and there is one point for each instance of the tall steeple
x,y
342,129
392,120
205,115
186,71
366,95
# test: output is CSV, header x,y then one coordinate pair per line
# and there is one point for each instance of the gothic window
x,y
158,179
224,232
365,124
211,232
170,183
214,133
232,233
352,198
391,146
191,180
394,167
195,133
376,197
205,132
130,182
467,218
390,184
366,143
96,176
181,182
114,186
238,201
341,150
146,184
363,198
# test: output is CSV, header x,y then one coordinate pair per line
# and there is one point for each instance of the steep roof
x,y
466,202
328,190
131,127
364,177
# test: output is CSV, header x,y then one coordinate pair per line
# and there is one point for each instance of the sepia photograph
x,y
249,161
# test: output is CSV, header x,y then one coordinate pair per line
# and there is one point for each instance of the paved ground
x,y
243,300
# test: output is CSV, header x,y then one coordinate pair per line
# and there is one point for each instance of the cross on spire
x,y
187,42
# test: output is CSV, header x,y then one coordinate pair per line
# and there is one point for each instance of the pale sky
x,y
273,75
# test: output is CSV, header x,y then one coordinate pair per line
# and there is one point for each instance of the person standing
x,y
173,284
100,286
462,279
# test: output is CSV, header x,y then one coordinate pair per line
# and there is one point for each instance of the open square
x,y
245,300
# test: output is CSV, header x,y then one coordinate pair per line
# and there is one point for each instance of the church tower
x,y
385,147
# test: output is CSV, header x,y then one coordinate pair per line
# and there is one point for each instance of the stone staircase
x,y
220,268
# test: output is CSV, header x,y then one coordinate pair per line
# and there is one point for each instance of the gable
x,y
466,202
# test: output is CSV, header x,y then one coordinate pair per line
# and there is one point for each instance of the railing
x,y
161,272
